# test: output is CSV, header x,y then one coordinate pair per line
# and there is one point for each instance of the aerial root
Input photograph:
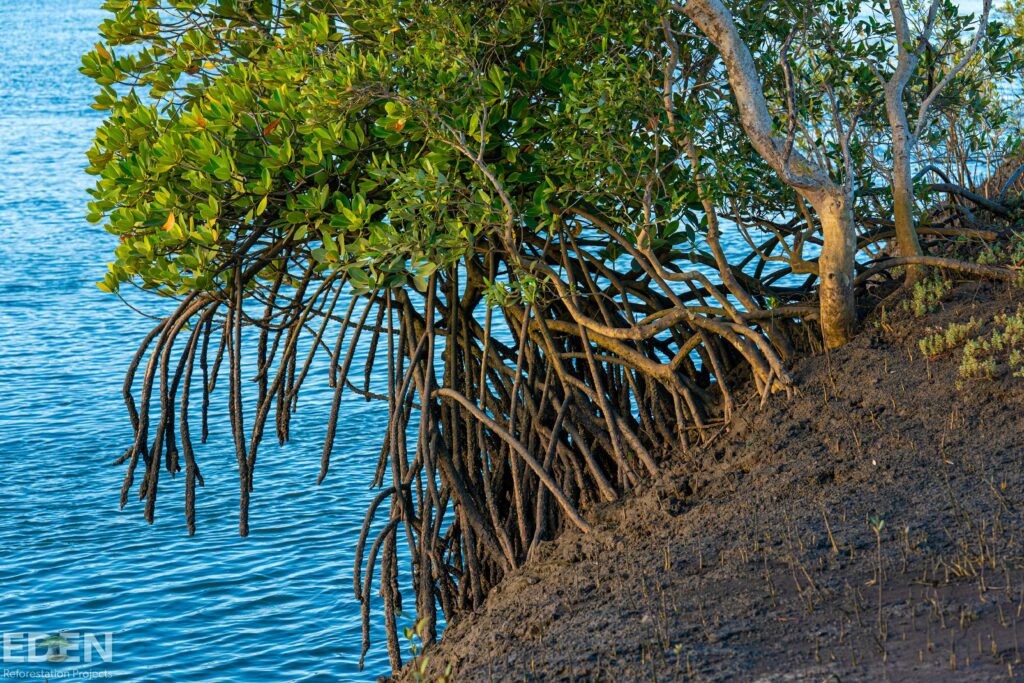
x,y
527,412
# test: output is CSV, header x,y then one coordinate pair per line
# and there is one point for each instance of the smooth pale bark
x,y
835,292
904,137
833,203
907,242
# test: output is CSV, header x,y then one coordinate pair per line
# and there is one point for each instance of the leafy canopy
x,y
383,139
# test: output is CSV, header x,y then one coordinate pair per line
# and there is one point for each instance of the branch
x,y
987,272
973,197
957,68
1009,183
715,22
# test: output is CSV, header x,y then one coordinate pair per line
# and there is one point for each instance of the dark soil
x,y
758,559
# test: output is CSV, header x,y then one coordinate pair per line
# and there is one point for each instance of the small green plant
x,y
877,524
415,637
1008,253
882,321
926,295
1003,346
975,364
939,340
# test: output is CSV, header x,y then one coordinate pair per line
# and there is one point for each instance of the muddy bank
x,y
867,529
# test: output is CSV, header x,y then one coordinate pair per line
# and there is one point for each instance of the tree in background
x,y
824,126
564,233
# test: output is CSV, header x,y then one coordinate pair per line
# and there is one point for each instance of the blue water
x,y
276,606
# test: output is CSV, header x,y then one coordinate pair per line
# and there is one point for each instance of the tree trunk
x,y
836,269
833,204
907,243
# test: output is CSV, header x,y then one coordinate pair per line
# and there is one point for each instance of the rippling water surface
x,y
276,606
